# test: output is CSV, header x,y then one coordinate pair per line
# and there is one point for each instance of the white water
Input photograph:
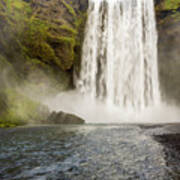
x,y
119,60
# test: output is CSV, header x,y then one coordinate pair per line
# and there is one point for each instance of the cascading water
x,y
119,59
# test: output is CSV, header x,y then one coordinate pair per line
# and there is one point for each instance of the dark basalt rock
x,y
171,144
64,118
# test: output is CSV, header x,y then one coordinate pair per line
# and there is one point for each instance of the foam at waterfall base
x,y
94,111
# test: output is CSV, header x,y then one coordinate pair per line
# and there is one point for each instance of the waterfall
x,y
119,56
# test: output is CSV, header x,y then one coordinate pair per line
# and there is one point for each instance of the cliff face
x,y
168,19
42,35
39,43
62,20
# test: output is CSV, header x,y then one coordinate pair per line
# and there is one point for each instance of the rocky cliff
x,y
42,35
40,41
168,19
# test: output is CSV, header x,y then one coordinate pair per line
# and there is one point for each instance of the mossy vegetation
x,y
69,29
38,37
170,4
34,39
15,108
20,110
167,8
69,8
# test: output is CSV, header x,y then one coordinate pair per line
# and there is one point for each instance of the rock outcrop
x,y
64,118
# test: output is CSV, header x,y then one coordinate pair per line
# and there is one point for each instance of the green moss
x,y
15,108
41,44
69,8
4,123
166,5
171,4
18,4
34,40
17,11
61,39
20,110
64,50
68,29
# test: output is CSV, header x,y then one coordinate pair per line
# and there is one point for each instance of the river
x,y
86,152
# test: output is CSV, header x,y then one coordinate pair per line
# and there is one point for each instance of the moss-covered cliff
x,y
168,18
41,34
40,41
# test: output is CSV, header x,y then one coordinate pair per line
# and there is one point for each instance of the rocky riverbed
x,y
78,152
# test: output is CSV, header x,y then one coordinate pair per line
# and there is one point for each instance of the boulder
x,y
64,118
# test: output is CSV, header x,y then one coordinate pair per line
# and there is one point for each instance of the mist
x,y
94,111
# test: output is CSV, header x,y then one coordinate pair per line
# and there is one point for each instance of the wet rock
x,y
171,144
64,118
